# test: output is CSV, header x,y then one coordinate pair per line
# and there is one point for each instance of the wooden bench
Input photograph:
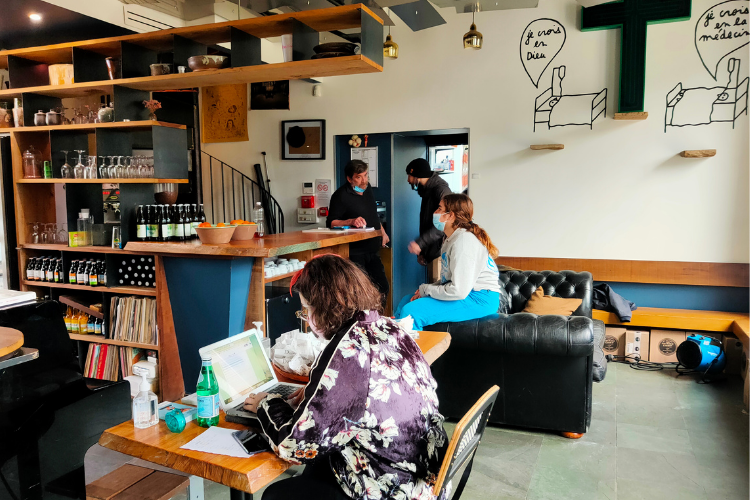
x,y
131,482
685,319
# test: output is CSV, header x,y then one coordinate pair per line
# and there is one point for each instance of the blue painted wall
x,y
708,298
209,301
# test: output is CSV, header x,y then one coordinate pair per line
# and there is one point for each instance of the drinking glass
x,y
103,168
34,232
141,166
78,169
66,171
132,170
48,233
111,170
150,163
62,233
80,118
120,168
89,171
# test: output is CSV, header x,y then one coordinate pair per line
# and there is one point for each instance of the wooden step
x,y
131,482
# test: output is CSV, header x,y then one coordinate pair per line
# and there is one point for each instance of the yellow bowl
x,y
215,235
244,232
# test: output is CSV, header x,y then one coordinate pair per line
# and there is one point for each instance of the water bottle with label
x,y
258,218
208,395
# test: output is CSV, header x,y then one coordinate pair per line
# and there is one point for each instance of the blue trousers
x,y
428,311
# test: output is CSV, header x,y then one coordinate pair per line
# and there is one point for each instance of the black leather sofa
x,y
543,364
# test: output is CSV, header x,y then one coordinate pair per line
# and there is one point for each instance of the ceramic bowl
x,y
202,63
215,235
244,232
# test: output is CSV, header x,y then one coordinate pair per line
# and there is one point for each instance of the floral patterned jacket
x,y
370,409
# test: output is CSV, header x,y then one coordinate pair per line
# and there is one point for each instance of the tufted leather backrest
x,y
566,284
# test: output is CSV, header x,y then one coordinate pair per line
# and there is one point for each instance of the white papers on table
x,y
217,440
13,297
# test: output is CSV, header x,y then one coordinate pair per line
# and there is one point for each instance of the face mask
x,y
358,189
436,222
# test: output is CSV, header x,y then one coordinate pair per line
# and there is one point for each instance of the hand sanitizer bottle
x,y
145,413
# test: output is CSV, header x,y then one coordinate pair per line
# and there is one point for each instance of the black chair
x,y
49,416
463,446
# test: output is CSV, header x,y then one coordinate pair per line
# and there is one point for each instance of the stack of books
x,y
110,362
133,319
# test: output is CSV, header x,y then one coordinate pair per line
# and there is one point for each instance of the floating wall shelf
x,y
698,153
637,115
553,147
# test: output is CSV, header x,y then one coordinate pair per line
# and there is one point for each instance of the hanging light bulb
x,y
473,38
390,48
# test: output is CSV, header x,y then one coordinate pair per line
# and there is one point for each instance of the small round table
x,y
10,341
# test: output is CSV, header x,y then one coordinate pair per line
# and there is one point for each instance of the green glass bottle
x,y
208,395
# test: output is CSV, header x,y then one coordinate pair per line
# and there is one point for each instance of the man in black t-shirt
x,y
353,204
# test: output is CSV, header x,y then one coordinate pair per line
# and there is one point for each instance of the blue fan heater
x,y
702,354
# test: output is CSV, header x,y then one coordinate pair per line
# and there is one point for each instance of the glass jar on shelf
x,y
32,163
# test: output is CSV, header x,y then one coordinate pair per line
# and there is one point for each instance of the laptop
x,y
241,368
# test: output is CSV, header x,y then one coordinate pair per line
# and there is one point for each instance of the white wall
x,y
617,192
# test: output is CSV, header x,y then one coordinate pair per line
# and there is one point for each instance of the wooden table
x,y
245,476
158,445
10,341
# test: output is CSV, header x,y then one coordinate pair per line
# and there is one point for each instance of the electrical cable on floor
x,y
636,363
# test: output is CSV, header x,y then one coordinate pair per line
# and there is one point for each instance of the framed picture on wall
x,y
303,140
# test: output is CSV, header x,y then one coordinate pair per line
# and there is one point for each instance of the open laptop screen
x,y
240,367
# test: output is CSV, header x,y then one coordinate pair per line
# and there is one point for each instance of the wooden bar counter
x,y
207,293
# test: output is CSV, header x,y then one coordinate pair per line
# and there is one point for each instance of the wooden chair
x,y
464,443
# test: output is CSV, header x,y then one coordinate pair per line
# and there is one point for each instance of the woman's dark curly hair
x,y
336,289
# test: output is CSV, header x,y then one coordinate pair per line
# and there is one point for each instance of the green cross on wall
x,y
633,17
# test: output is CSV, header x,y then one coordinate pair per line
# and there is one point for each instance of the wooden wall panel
x,y
641,271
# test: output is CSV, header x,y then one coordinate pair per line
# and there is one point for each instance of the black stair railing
x,y
234,194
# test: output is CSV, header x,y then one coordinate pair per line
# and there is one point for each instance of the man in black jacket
x,y
353,204
431,187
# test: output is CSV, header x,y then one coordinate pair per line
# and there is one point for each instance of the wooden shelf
x,y
280,277
635,115
103,181
93,126
333,18
128,290
553,147
90,249
99,339
297,70
72,302
698,153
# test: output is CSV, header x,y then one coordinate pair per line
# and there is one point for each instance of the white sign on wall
x,y
322,192
369,156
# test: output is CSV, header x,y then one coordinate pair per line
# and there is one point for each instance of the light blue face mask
x,y
436,222
358,189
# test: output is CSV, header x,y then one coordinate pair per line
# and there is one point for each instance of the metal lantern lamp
x,y
473,38
390,48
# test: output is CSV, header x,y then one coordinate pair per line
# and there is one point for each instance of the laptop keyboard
x,y
283,390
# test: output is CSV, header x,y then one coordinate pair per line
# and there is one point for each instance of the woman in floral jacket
x,y
367,424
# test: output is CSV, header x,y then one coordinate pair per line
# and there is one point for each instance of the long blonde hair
x,y
462,208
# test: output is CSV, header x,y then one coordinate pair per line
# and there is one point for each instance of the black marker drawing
x,y
541,41
558,110
703,106
720,31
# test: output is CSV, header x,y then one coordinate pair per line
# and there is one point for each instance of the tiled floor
x,y
653,436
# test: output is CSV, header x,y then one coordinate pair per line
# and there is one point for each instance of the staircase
x,y
229,194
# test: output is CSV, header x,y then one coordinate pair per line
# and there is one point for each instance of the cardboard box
x,y
637,344
614,341
664,344
734,354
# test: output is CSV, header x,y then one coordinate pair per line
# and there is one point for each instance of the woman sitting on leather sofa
x,y
468,286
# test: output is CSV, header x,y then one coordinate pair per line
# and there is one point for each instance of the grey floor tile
x,y
712,445
100,461
669,469
600,432
566,484
644,437
493,479
654,413
593,459
628,489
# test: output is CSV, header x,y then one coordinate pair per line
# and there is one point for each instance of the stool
x,y
131,482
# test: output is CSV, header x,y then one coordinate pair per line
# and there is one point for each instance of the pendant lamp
x,y
390,48
473,38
